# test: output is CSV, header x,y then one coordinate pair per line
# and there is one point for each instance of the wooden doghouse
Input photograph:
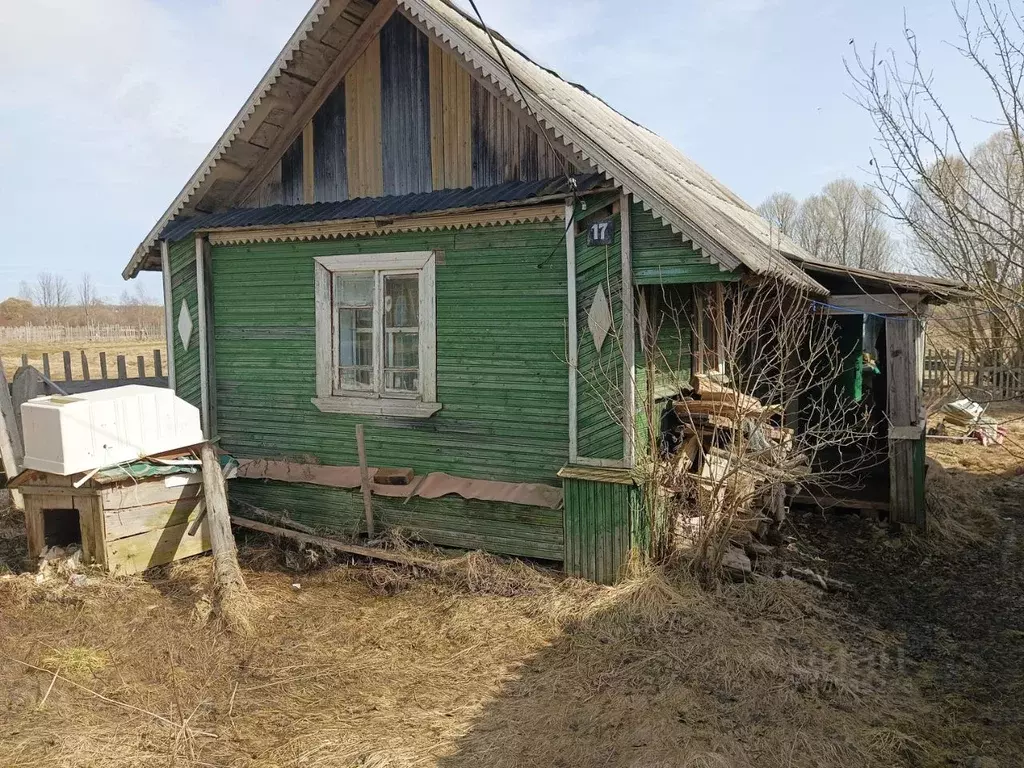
x,y
125,519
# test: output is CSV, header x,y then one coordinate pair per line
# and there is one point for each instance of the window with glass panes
x,y
375,333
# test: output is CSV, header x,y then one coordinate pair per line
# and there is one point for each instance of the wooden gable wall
x,y
407,117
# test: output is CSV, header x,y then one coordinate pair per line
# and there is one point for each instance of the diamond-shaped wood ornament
x,y
599,318
184,325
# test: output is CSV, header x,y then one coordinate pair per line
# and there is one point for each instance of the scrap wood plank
x,y
333,544
11,447
364,479
710,391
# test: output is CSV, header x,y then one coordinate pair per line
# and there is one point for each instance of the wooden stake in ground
x,y
231,597
11,452
364,479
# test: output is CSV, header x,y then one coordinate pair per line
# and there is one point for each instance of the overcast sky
x,y
110,105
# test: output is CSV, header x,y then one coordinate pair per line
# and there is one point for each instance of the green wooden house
x,y
412,227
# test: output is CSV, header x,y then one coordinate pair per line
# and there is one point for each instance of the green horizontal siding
x,y
660,255
599,375
511,529
598,529
670,308
183,288
501,378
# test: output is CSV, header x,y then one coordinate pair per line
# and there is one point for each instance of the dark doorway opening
x,y
61,528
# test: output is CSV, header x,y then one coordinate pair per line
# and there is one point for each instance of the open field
x,y
11,356
497,664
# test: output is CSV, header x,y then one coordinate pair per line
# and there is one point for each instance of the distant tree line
x,y
844,223
958,206
52,300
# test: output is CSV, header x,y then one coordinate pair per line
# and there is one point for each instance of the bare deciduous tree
x,y
784,363
963,204
87,291
782,211
714,465
86,294
845,223
52,290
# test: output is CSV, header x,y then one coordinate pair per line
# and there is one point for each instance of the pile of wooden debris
x,y
965,421
733,465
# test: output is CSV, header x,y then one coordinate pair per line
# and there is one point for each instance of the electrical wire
x,y
570,179
519,88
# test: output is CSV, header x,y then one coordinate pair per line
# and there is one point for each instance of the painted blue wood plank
x,y
330,170
405,105
291,174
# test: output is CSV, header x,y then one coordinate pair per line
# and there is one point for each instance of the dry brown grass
x,y
482,663
964,478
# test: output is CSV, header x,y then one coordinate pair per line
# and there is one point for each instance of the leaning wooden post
x,y
11,450
230,595
364,479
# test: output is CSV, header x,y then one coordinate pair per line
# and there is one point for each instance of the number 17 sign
x,y
601,232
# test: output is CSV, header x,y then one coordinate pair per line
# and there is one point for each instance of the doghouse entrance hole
x,y
61,527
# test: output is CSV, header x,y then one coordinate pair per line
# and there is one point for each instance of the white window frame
x,y
372,403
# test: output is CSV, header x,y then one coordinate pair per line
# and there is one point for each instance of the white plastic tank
x,y
78,433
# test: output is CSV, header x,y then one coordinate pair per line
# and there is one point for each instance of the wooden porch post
x,y
906,420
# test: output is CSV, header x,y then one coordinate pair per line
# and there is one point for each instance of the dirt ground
x,y
486,663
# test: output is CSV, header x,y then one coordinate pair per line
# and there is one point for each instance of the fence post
x,y
103,365
999,378
67,366
85,366
158,364
142,366
24,361
11,447
122,368
46,365
958,367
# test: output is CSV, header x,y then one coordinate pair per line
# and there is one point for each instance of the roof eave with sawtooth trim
x,y
727,249
296,233
718,246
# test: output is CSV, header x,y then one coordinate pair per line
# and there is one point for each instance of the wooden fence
x,y
995,375
74,334
146,370
26,384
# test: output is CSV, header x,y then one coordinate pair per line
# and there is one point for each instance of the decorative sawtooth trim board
x,y
362,227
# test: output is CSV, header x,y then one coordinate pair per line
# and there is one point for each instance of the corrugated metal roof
x,y
675,188
933,286
377,207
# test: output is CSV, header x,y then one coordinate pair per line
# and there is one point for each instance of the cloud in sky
x,y
110,105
